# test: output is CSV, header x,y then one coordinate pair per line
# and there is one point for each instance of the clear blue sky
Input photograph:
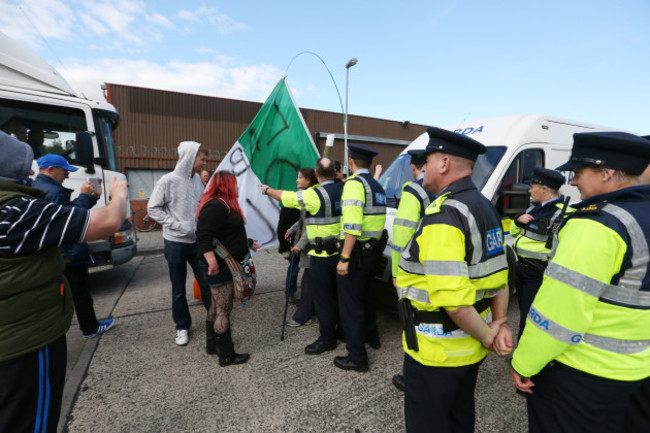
x,y
432,62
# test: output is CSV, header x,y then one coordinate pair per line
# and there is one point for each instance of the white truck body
x,y
516,144
35,100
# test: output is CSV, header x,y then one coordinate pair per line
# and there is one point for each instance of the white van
x,y
39,107
515,145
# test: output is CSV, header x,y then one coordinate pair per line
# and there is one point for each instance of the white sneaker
x,y
182,338
292,323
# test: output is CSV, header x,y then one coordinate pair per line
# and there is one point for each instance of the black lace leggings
x,y
220,307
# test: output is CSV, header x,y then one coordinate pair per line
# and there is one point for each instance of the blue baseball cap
x,y
54,160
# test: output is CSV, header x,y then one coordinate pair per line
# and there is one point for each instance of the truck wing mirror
x,y
85,153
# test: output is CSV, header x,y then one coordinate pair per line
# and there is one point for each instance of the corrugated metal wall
x,y
153,122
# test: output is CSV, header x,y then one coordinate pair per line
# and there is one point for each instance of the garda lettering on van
x,y
468,131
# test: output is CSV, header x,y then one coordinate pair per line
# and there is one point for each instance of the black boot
x,y
210,342
226,350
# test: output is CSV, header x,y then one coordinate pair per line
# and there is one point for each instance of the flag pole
x,y
346,169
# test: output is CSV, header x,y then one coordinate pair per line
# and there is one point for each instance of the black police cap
x,y
617,150
548,177
417,156
442,140
364,153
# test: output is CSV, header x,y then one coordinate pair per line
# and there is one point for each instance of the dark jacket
x,y
77,254
35,309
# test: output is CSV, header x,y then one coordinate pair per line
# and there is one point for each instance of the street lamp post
x,y
346,169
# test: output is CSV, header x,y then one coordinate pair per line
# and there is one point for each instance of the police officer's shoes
x,y
344,363
398,381
318,347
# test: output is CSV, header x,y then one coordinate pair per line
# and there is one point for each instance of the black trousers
x,y
358,316
638,412
439,399
322,279
566,400
528,283
306,308
31,390
83,303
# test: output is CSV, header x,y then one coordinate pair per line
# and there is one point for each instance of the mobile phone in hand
x,y
95,183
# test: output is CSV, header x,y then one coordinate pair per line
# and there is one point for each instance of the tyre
x,y
143,222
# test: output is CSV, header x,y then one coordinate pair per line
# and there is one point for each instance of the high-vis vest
x,y
364,207
592,311
415,199
530,241
455,258
323,217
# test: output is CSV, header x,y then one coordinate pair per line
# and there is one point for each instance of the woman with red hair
x,y
221,218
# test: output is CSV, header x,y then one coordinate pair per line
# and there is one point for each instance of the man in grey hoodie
x,y
173,204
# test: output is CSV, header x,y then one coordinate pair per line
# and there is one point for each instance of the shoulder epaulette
x,y
434,207
593,208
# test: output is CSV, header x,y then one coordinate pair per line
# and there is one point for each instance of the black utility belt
x,y
329,245
442,317
411,317
536,265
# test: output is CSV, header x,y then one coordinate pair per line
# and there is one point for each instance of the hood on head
x,y
17,158
187,151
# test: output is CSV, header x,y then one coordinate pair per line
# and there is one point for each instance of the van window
x,y
394,178
485,164
512,197
46,128
399,172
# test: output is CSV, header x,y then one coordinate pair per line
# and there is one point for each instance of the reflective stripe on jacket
x,y
415,199
364,207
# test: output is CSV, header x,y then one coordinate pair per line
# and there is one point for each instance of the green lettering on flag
x,y
277,143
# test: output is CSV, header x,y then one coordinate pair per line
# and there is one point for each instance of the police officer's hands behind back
x,y
488,339
523,384
502,344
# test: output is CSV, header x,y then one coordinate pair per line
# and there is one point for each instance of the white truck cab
x,y
515,145
40,108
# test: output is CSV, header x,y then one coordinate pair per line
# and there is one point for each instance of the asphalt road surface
x,y
135,379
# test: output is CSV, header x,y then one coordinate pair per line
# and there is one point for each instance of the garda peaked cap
x,y
548,177
442,140
617,150
417,156
364,153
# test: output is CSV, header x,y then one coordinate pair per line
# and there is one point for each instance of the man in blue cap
x,y
53,171
363,217
532,231
452,282
586,345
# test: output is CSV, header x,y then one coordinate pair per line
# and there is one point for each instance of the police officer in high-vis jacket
x,y
452,283
585,351
323,226
364,239
533,233
414,200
